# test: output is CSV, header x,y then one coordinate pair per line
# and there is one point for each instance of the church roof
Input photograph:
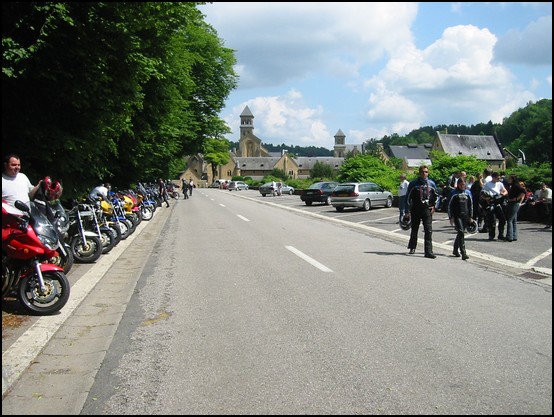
x,y
306,162
257,163
247,112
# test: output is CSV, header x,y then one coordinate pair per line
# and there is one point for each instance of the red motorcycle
x,y
27,241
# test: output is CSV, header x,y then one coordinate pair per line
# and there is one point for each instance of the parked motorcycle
x,y
27,241
47,201
85,244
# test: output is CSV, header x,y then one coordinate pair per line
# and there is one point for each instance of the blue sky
x,y
373,69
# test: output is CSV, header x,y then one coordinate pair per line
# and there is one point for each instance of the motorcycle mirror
x,y
20,205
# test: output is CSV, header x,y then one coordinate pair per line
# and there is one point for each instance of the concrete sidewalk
x,y
66,350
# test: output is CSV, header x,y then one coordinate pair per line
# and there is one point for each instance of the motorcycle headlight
x,y
51,244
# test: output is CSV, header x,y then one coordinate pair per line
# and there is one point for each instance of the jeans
x,y
511,220
402,206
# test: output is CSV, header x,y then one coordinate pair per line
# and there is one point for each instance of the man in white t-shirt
x,y
15,184
496,210
402,190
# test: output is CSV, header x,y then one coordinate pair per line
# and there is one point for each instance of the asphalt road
x,y
189,268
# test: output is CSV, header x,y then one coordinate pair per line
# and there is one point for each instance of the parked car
x,y
237,185
221,184
363,195
318,192
267,188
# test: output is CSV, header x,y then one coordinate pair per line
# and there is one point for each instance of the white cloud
x,y
276,42
307,69
533,46
453,80
277,117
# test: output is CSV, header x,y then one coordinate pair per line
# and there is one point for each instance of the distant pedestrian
x,y
185,187
402,191
163,191
460,213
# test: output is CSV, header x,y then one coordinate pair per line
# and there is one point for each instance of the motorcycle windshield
x,y
45,230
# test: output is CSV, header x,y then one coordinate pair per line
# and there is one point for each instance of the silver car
x,y
237,185
363,195
268,189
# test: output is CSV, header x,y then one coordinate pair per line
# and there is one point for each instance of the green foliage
x,y
117,93
530,130
279,174
216,152
445,165
533,175
368,168
322,171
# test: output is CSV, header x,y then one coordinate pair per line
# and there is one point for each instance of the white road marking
x,y
308,259
533,261
243,218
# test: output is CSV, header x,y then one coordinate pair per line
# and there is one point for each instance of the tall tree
x,y
216,153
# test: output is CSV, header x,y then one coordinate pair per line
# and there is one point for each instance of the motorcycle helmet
x,y
52,189
471,227
406,222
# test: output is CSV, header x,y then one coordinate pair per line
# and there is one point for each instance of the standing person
x,y
100,191
543,196
191,186
402,190
163,191
516,195
497,193
475,190
279,187
460,213
422,196
470,182
487,175
15,184
185,186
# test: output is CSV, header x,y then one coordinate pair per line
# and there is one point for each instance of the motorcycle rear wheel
x,y
52,301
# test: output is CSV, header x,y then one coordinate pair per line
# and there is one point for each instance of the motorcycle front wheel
x,y
147,213
52,300
86,252
107,237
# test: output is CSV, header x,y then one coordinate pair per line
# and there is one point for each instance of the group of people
x,y
17,186
487,201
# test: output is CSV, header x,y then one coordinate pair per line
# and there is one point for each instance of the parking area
x,y
532,250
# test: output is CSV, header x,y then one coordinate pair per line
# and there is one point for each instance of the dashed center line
x,y
308,259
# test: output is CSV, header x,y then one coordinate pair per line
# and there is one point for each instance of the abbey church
x,y
253,160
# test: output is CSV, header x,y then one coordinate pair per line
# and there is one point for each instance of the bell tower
x,y
246,122
340,147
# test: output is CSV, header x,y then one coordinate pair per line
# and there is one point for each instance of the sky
x,y
307,70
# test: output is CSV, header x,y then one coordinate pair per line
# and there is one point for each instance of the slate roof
x,y
305,162
252,163
413,151
481,146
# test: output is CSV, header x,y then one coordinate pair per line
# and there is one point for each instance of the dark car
x,y
318,192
